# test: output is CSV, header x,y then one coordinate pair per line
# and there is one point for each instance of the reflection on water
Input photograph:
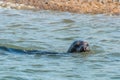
x,y
55,31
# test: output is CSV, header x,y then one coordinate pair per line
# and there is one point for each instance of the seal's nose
x,y
86,46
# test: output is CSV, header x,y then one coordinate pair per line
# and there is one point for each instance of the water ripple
x,y
55,31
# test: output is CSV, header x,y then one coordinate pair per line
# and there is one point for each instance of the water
x,y
55,31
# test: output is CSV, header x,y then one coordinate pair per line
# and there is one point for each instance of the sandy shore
x,y
75,6
16,5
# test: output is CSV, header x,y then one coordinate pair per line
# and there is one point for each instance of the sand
x,y
75,6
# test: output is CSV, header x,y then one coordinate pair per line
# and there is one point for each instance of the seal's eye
x,y
87,44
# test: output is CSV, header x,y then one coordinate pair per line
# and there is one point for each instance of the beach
x,y
74,6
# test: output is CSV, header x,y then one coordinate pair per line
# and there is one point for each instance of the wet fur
x,y
72,49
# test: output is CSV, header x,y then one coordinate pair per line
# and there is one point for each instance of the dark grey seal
x,y
76,47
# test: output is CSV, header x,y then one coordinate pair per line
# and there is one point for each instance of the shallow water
x,y
55,31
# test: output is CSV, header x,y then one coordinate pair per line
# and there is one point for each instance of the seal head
x,y
79,46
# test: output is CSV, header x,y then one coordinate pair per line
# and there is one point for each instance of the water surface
x,y
55,31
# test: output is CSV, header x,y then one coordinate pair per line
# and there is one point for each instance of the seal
x,y
76,47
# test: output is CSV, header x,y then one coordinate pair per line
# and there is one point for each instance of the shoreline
x,y
16,6
79,6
